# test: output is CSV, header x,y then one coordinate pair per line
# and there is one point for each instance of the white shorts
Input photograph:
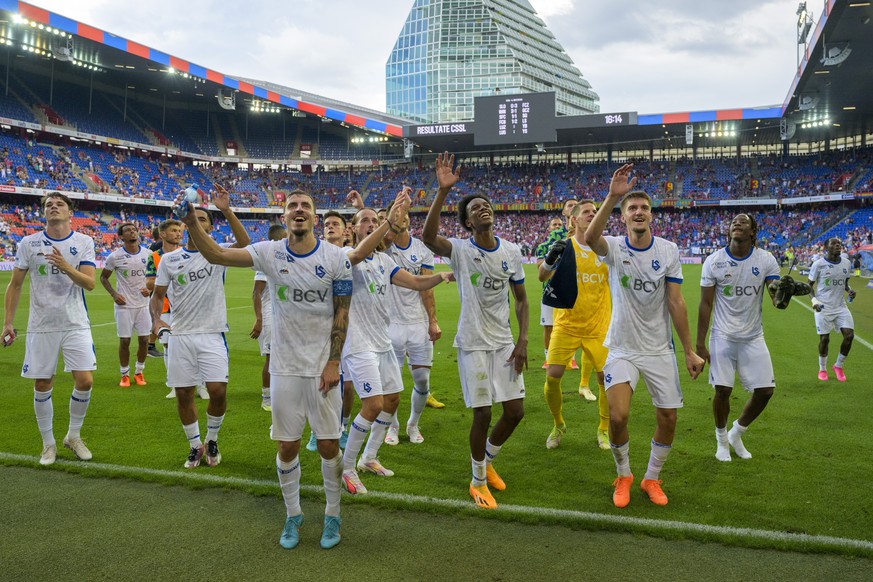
x,y
748,358
411,339
296,399
828,321
487,378
660,373
168,319
373,373
196,359
547,315
264,339
42,349
127,320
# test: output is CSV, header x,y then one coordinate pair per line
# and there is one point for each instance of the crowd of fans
x,y
133,173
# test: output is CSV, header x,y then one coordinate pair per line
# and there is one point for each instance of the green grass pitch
x,y
811,446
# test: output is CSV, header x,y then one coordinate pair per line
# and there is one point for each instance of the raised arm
x,y
222,202
446,178
679,314
10,305
217,255
618,187
704,314
366,247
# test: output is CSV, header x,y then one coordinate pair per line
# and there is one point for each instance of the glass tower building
x,y
450,51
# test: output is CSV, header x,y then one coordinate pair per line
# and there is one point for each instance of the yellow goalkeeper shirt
x,y
589,316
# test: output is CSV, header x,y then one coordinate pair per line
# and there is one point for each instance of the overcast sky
x,y
651,57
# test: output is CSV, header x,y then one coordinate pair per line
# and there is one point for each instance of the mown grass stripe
x,y
582,517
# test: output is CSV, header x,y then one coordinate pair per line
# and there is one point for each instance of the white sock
x,y
420,390
345,422
394,423
840,359
358,431
289,482
331,472
722,449
656,460
213,425
78,407
546,354
479,477
45,412
491,451
125,370
377,436
140,367
735,438
265,393
822,363
192,432
622,458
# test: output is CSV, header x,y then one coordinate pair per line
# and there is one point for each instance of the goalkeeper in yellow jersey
x,y
583,325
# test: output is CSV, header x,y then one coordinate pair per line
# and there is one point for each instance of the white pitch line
x,y
412,500
858,338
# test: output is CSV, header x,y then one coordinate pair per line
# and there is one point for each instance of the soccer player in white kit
x,y
414,327
732,287
61,266
311,283
197,350
829,279
644,280
490,362
131,300
171,232
334,232
368,356
262,328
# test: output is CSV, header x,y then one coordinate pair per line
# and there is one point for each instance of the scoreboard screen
x,y
515,119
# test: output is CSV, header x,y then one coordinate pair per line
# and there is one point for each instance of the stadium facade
x,y
451,51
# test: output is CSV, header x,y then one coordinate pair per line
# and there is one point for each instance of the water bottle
x,y
189,195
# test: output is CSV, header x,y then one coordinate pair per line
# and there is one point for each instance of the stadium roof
x,y
103,51
834,79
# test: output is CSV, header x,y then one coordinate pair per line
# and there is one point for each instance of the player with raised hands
x,y
490,361
368,355
197,348
645,276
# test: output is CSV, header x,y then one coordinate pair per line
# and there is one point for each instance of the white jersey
x,y
303,288
638,278
483,278
195,289
368,316
266,308
56,303
830,281
130,275
740,286
407,305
